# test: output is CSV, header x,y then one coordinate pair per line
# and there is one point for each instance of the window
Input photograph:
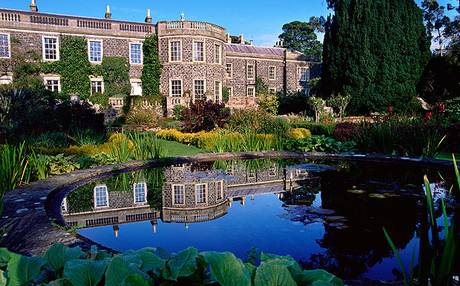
x,y
97,85
230,91
50,49
251,174
198,51
175,51
272,73
251,91
304,74
6,79
199,90
64,205
272,171
52,83
229,69
178,194
272,90
101,196
250,71
217,54
140,193
95,51
176,88
136,87
217,91
5,46
200,193
135,53
220,190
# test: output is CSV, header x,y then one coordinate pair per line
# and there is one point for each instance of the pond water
x,y
326,216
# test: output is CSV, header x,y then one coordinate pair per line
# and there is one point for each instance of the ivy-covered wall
x,y
152,68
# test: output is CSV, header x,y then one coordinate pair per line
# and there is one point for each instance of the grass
x,y
173,149
446,156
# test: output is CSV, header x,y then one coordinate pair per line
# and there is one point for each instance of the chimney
x,y
242,39
229,38
108,15
148,19
251,42
33,6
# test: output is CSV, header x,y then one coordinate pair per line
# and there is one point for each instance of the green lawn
x,y
173,149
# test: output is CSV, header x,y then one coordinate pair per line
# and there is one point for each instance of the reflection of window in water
x,y
272,171
140,193
252,174
178,194
200,193
101,196
230,169
220,190
64,205
301,172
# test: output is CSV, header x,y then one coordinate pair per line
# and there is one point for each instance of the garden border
x,y
32,219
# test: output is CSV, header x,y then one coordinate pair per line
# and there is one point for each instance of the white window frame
x,y
134,193
205,193
57,48
171,89
173,195
9,45
220,190
52,77
218,100
89,50
218,48
204,51
307,73
231,70
141,51
204,88
96,79
6,79
230,91
106,194
64,206
170,51
272,90
274,73
133,81
253,89
253,71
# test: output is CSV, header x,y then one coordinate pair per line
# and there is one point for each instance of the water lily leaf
x,y
251,269
271,274
5,256
22,269
181,265
121,267
227,269
59,282
151,262
283,261
58,254
162,253
82,272
316,276
134,280
2,278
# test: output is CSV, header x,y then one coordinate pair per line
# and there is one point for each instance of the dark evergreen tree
x,y
375,51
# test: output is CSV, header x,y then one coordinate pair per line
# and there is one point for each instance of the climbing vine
x,y
115,71
73,66
152,68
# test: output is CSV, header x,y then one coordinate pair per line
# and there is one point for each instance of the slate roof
x,y
247,49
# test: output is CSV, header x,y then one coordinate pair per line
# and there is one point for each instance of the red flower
x,y
390,109
442,108
428,115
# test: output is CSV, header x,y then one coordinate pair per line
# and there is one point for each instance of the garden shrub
x,y
344,131
294,103
204,116
154,266
326,129
299,133
50,139
453,110
320,144
258,121
142,117
178,112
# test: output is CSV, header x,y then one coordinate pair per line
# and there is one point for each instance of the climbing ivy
x,y
152,68
115,71
73,66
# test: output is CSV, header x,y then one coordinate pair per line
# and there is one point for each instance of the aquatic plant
x,y
62,265
146,146
14,167
437,257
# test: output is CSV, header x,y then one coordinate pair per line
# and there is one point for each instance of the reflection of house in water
x,y
190,193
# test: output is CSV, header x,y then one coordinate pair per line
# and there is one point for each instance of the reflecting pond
x,y
325,215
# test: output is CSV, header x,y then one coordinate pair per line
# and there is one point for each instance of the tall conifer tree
x,y
375,51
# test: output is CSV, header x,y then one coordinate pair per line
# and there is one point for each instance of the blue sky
x,y
259,20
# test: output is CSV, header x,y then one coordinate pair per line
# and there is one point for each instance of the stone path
x,y
32,221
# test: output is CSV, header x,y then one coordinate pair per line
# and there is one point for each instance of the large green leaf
x,y
58,254
84,272
2,278
273,274
181,265
22,269
121,267
309,277
5,256
134,280
227,269
151,262
283,261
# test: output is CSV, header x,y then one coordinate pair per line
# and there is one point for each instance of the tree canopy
x,y
375,51
301,37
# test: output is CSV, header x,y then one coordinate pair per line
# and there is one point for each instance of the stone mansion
x,y
198,59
